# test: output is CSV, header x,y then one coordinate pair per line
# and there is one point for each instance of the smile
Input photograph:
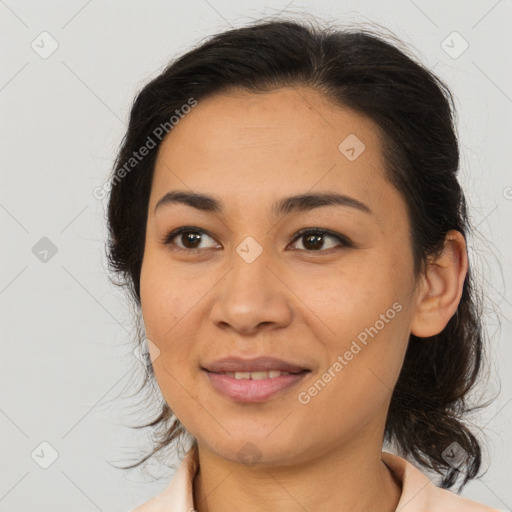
x,y
253,387
270,374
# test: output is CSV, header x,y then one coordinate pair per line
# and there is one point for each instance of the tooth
x,y
259,375
270,374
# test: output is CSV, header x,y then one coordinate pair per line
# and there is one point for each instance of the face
x,y
242,281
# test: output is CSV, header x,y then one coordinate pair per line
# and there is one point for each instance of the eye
x,y
191,238
314,239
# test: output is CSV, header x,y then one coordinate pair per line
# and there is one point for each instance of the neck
x,y
343,480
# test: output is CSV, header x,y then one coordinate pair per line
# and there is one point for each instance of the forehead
x,y
259,147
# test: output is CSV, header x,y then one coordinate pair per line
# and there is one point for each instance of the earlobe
x,y
440,289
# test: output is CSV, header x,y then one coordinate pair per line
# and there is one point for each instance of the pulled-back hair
x,y
414,111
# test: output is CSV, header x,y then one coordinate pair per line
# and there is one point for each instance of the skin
x,y
292,302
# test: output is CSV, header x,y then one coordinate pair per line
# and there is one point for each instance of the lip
x,y
237,364
252,391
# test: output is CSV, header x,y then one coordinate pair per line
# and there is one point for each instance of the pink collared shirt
x,y
419,494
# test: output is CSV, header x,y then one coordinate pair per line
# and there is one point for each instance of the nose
x,y
252,297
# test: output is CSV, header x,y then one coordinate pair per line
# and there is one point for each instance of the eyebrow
x,y
284,206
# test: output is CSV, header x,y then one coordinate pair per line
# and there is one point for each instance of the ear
x,y
440,288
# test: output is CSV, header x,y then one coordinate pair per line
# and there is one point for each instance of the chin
x,y
257,447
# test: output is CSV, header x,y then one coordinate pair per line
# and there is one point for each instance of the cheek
x,y
366,359
349,298
165,299
368,322
166,304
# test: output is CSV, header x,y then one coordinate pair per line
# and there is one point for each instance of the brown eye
x,y
190,240
315,239
187,238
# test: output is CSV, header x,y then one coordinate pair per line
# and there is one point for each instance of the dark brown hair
x,y
414,112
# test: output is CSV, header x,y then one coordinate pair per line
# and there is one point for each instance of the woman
x,y
286,214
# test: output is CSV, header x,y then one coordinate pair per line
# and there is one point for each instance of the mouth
x,y
254,380
253,365
259,375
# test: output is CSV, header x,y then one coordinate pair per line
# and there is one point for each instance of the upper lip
x,y
237,364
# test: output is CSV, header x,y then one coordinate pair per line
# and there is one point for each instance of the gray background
x,y
67,367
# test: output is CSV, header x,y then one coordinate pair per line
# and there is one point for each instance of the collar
x,y
419,493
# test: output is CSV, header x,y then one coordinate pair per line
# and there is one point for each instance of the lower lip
x,y
249,390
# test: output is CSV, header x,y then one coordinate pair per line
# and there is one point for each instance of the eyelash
x,y
344,241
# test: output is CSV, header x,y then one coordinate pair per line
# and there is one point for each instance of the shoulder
x,y
420,494
178,495
155,504
451,501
